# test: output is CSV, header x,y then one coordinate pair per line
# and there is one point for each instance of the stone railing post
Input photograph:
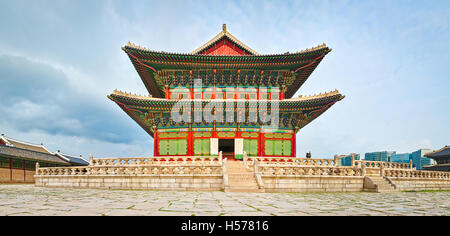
x,y
381,170
224,172
37,168
244,157
91,160
335,160
363,167
220,157
353,160
257,174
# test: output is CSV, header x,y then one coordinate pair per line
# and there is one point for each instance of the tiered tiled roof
x,y
150,64
74,160
443,152
146,111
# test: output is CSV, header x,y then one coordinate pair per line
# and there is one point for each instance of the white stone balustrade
x,y
399,173
133,170
291,161
384,164
292,170
160,160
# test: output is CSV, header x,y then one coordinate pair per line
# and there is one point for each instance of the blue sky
x,y
59,60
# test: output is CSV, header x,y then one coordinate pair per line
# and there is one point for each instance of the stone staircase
x,y
379,184
240,178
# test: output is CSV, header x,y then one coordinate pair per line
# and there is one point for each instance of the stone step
x,y
241,181
239,172
241,178
382,185
235,163
237,181
387,191
385,187
232,168
247,190
244,186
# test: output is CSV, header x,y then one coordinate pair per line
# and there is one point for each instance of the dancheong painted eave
x,y
160,60
146,110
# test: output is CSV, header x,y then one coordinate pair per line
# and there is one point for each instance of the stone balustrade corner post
x,y
91,160
245,159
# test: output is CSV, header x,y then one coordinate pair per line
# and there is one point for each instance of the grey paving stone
x,y
30,200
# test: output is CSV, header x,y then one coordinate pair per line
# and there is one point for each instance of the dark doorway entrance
x,y
227,148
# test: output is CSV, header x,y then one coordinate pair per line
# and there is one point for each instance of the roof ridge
x,y
24,142
70,155
320,46
320,95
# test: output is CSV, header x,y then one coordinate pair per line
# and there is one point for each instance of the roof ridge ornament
x,y
127,94
224,28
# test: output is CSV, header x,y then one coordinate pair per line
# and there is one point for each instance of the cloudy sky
x,y
60,59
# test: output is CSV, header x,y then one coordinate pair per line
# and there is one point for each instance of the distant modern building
x,y
18,159
419,160
346,160
378,156
442,159
401,157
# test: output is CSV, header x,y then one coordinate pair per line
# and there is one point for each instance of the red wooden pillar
x,y
167,92
261,144
294,145
190,143
155,145
214,133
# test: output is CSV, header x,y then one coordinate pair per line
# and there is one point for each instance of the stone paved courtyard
x,y
30,200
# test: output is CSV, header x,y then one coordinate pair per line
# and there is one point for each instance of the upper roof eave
x,y
133,46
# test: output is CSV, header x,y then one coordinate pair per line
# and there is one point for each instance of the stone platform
x,y
253,174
